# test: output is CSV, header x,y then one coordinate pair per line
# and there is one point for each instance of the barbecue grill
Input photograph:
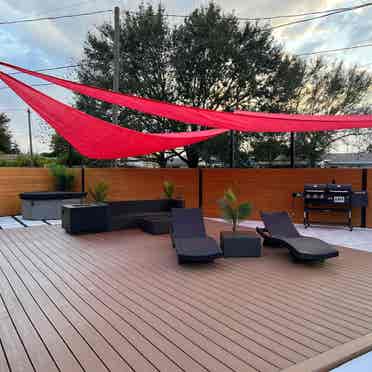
x,y
331,198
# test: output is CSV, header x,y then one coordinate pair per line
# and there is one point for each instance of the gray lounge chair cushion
x,y
189,237
187,223
282,230
280,224
308,248
197,249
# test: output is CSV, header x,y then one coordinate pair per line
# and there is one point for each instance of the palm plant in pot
x,y
236,243
232,211
168,191
99,192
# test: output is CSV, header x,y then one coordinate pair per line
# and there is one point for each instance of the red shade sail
x,y
242,121
96,138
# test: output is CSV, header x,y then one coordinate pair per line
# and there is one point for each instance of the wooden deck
x,y
119,302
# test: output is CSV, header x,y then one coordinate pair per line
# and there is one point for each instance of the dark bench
x,y
137,213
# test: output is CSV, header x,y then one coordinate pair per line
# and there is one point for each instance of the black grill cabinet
x,y
332,198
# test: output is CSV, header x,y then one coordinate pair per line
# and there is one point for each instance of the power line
x,y
335,50
295,15
324,13
31,85
47,69
170,15
321,16
54,18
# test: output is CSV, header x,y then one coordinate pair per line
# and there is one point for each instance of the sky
x,y
49,43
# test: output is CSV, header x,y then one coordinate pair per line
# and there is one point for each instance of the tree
x,y
64,152
209,61
7,146
213,61
144,68
329,89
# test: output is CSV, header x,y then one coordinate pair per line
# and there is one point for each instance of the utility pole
x,y
292,150
30,134
232,149
115,109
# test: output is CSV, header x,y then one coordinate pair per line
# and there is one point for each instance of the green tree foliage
x,y
208,61
328,89
7,146
62,151
212,60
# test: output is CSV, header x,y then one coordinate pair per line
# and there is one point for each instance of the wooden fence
x,y
272,189
266,189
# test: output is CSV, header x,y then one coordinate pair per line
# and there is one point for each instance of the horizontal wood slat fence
x,y
271,189
266,189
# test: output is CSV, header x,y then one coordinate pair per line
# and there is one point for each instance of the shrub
x,y
64,179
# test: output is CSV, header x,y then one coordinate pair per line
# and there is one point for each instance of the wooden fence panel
x,y
134,183
14,181
266,189
369,189
271,189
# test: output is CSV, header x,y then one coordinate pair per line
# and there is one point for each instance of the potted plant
x,y
237,243
89,217
99,192
63,178
168,190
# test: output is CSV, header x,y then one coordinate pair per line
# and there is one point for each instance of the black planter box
x,y
85,218
240,244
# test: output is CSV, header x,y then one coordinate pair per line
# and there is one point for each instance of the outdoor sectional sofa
x,y
152,216
147,214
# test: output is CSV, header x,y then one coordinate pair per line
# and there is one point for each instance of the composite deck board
x,y
289,308
129,328
119,301
117,353
13,352
128,278
217,318
180,317
61,339
106,356
4,364
204,343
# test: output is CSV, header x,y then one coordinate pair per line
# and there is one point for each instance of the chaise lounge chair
x,y
280,231
189,237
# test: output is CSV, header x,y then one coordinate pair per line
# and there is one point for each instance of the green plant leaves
x,y
230,196
99,192
244,210
231,211
168,188
64,179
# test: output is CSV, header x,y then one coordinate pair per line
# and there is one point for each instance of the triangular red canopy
x,y
96,138
241,121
